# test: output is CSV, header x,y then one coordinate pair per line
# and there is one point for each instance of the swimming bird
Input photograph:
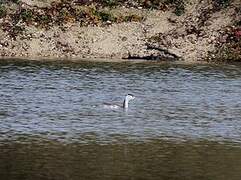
x,y
125,104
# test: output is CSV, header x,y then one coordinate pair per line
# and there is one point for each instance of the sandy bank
x,y
193,36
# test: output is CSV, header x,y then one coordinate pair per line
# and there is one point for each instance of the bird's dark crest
x,y
131,95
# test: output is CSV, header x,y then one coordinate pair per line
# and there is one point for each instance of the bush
x,y
179,9
43,20
133,17
105,16
218,4
5,1
26,15
110,2
231,49
155,4
3,11
15,1
179,6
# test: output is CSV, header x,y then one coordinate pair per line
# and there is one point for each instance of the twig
x,y
166,51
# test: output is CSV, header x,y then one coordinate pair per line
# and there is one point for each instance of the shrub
x,y
15,1
231,49
26,15
218,4
5,1
179,6
43,20
3,11
105,16
155,4
110,2
132,17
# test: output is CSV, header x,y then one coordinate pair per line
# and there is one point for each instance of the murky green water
x,y
185,122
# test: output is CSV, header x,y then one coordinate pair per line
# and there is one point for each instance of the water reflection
x,y
153,159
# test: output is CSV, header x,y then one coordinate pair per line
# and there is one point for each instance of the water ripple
x,y
172,100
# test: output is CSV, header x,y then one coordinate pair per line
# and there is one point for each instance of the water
x,y
183,124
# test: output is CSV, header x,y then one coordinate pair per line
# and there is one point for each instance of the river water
x,y
185,122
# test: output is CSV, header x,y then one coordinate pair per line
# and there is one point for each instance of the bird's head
x,y
130,97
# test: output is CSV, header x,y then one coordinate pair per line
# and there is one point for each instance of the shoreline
x,y
106,60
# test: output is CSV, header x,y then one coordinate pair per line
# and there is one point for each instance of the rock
x,y
124,38
108,22
223,39
213,38
208,23
192,39
172,20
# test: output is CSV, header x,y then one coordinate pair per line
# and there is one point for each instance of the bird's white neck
x,y
125,103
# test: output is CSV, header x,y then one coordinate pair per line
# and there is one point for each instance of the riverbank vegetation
x,y
176,26
89,11
230,48
94,12
229,44
59,13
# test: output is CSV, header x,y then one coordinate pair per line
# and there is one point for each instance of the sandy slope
x,y
187,36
